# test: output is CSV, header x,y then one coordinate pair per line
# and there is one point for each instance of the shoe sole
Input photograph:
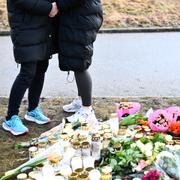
x,y
12,131
92,117
32,119
70,111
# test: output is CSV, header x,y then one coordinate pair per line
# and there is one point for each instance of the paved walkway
x,y
123,65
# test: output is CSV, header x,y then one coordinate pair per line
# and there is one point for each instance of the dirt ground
x,y
128,13
11,157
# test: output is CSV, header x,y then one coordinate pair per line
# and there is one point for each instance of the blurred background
x,y
129,13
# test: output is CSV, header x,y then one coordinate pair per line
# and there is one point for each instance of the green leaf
x,y
113,163
132,119
159,137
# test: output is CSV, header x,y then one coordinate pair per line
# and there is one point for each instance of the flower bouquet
x,y
169,163
127,108
131,156
152,175
175,113
160,120
174,129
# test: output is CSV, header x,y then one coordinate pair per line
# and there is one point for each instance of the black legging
x,y
84,85
31,76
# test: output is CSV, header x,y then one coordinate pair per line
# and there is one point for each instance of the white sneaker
x,y
84,115
74,106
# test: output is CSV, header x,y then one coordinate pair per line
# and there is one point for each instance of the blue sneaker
x,y
15,126
37,116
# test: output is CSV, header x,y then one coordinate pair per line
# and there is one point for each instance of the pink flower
x,y
142,164
152,175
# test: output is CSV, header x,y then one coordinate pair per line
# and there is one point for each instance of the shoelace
x,y
38,113
82,113
74,102
15,122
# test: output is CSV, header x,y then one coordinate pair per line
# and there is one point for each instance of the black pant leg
x,y
20,85
37,84
84,85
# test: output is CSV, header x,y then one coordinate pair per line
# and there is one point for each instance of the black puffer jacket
x,y
79,23
32,32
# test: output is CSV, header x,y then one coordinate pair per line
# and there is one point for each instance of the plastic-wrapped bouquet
x,y
160,120
175,112
127,108
170,163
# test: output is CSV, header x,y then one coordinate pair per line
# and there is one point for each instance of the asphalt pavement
x,y
137,64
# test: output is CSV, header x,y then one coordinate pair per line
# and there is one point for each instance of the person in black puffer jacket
x,y
33,36
79,23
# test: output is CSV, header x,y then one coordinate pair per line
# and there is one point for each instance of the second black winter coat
x,y
79,23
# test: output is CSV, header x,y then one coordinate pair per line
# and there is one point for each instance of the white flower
x,y
168,138
149,146
148,153
141,146
158,146
133,145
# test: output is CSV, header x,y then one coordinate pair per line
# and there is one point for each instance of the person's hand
x,y
54,10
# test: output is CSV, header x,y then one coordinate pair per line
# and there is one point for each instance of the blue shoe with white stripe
x,y
15,126
37,116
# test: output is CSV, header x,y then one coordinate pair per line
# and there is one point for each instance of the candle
x,y
94,175
48,172
32,152
65,171
22,176
114,123
86,151
88,161
76,163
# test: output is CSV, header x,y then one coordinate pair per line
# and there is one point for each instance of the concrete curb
x,y
125,30
4,33
141,30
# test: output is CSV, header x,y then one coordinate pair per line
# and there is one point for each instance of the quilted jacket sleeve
x,y
65,5
40,7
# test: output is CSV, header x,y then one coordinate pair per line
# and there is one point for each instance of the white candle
x,y
88,162
65,171
48,172
94,175
76,163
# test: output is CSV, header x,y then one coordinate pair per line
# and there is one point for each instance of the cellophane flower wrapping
x,y
174,112
153,118
169,162
129,108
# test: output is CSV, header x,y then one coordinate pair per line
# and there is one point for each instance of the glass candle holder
x,y
94,175
42,146
22,176
86,149
33,151
83,177
73,176
79,171
88,162
76,163
77,147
